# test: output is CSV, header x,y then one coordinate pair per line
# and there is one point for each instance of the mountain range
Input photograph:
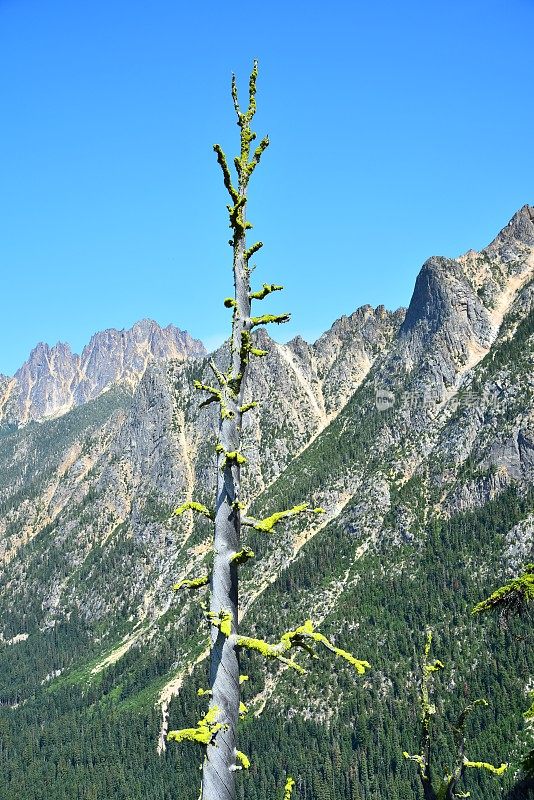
x,y
54,379
413,429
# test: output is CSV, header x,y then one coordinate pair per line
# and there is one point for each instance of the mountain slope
x,y
429,504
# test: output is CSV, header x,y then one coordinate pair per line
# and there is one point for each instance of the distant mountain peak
x,y
54,379
458,305
518,232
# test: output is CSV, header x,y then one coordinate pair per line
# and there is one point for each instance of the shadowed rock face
x,y
54,379
458,306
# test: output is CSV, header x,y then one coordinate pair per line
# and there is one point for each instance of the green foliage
x,y
390,592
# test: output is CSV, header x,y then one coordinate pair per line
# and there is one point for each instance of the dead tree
x,y
445,788
515,598
216,731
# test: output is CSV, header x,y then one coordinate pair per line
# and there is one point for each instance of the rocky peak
x,y
54,379
519,231
458,305
442,291
341,358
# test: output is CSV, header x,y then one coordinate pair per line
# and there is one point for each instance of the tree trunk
x,y
218,781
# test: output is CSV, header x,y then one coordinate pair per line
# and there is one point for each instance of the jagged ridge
x,y
54,379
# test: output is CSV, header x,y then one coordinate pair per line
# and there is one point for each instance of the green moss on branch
x,y
249,252
514,597
488,767
216,394
267,289
242,556
248,406
266,525
243,760
227,178
192,505
256,158
204,733
302,637
288,789
266,319
445,788
232,457
192,583
222,621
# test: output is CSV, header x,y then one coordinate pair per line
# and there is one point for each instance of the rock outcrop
x,y
54,379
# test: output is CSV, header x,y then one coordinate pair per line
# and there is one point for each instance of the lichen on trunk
x,y
221,760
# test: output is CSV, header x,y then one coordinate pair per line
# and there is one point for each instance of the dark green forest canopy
x,y
78,737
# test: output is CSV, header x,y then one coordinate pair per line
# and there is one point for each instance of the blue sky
x,y
398,131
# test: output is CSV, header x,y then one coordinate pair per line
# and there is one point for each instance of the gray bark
x,y
218,781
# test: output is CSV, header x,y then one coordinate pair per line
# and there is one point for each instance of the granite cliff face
x,y
397,423
54,379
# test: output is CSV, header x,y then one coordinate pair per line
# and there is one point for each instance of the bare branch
x,y
268,523
227,178
265,319
192,505
192,583
265,290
